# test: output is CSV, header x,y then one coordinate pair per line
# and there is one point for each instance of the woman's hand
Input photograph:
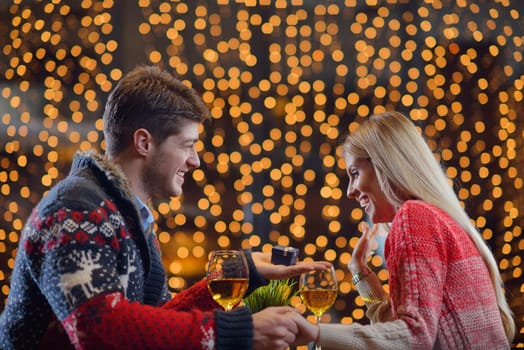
x,y
307,332
277,327
363,249
280,272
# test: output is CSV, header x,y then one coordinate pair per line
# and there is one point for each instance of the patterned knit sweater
x,y
441,293
87,275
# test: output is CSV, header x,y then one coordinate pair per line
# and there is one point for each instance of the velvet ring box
x,y
284,255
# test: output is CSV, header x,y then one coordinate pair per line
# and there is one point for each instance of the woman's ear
x,y
142,141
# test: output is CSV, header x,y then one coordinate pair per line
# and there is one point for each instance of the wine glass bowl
x,y
318,290
227,277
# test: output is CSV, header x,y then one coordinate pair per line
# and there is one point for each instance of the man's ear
x,y
142,141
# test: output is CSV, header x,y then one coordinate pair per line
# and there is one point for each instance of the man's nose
x,y
194,160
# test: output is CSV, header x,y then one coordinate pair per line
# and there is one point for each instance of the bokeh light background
x,y
284,80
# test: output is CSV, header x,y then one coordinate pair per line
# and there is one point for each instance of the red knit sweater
x,y
440,286
441,293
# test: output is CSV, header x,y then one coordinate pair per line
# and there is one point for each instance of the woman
x,y
446,292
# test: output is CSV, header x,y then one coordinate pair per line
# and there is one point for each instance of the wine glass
x,y
318,291
227,277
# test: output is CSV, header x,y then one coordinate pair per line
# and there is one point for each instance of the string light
x,y
284,81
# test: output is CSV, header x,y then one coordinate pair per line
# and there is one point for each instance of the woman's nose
x,y
351,191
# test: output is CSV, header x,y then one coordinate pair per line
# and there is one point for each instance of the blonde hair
x,y
406,168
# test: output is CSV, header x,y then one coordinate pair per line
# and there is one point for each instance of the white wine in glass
x,y
318,291
227,277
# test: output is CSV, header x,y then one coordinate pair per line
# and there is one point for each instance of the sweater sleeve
x,y
383,333
197,296
112,322
255,279
416,259
393,335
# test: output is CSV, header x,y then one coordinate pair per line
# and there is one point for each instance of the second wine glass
x,y
227,277
318,290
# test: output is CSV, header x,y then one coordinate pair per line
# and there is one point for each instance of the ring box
x,y
284,255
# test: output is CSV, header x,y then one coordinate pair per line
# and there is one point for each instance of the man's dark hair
x,y
153,99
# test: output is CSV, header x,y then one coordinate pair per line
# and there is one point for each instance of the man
x,y
88,271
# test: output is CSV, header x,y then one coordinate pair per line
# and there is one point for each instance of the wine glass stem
x,y
317,346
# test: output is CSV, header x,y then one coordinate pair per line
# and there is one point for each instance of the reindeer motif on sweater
x,y
82,277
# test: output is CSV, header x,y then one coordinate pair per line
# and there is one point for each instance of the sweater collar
x,y
113,173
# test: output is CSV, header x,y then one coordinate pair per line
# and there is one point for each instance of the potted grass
x,y
276,293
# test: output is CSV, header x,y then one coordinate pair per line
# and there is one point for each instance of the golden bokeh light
x,y
284,81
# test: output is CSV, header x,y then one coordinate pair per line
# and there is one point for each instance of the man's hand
x,y
279,272
275,328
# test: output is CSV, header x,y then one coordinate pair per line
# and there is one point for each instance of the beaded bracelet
x,y
359,276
